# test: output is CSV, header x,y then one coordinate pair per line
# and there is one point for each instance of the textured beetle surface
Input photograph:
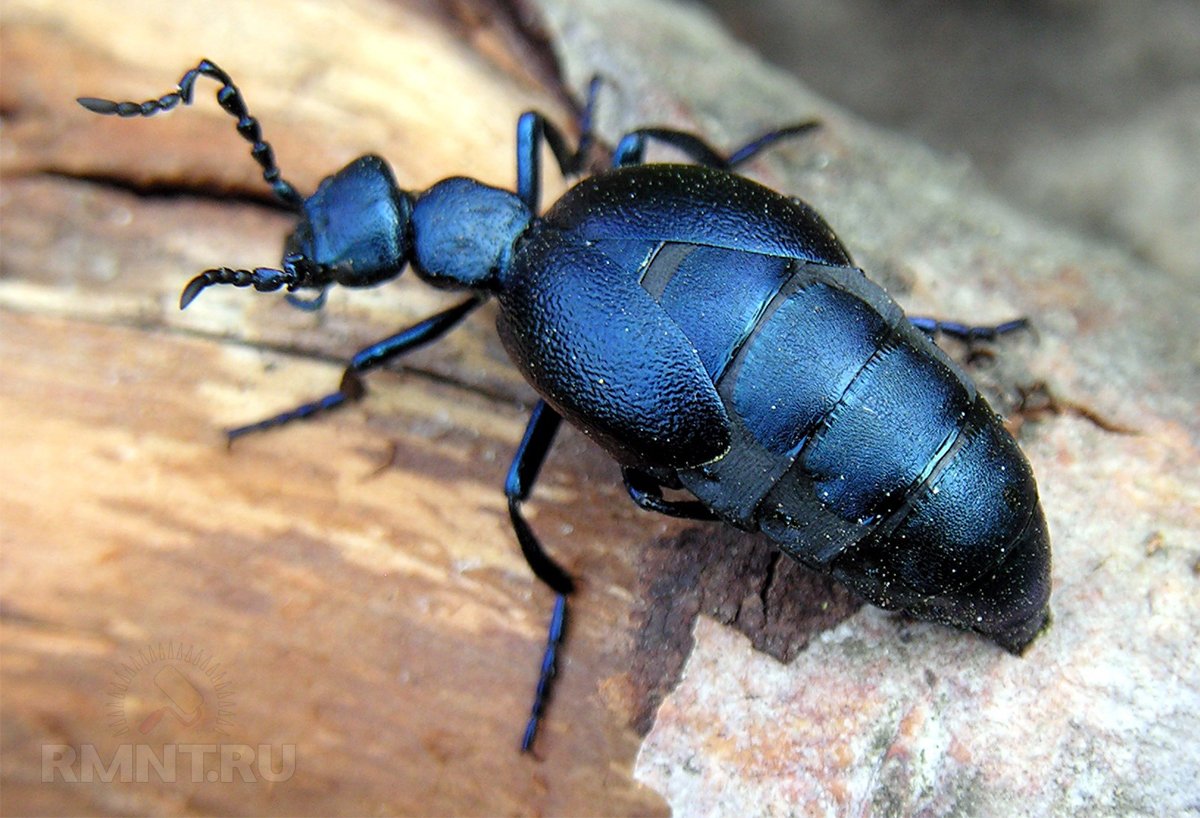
x,y
713,336
744,358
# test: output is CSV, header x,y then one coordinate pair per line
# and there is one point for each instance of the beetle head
x,y
356,230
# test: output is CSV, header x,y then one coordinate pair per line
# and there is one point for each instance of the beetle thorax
x,y
464,232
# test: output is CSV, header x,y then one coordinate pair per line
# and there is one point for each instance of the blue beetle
x,y
710,334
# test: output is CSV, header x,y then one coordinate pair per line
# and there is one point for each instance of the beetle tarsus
x,y
631,150
967,332
541,696
307,410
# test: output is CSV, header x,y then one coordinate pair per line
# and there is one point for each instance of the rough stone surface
x,y
881,715
1087,113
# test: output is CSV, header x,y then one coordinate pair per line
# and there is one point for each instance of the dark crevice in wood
x,y
165,190
290,350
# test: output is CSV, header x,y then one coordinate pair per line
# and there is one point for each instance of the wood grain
x,y
354,580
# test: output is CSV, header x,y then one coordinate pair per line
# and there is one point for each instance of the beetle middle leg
x,y
533,129
647,492
631,150
522,474
372,357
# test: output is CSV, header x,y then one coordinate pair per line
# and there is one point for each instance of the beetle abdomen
x,y
857,444
968,546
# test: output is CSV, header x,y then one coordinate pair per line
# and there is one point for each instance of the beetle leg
x,y
522,474
313,304
532,130
964,332
372,357
647,493
631,150
757,145
969,335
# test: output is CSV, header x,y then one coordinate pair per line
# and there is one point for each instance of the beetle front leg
x,y
313,304
522,474
372,357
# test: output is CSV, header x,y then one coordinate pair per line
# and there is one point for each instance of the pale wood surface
x,y
356,578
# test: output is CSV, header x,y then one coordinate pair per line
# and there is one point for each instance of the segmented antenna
x,y
296,272
263,279
230,98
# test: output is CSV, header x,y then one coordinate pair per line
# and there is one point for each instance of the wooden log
x,y
347,591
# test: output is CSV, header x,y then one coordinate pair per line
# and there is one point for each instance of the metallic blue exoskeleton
x,y
713,336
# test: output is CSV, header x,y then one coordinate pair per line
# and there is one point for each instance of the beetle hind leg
x,y
966,332
522,474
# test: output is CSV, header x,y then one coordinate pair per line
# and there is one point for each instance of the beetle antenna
x,y
263,279
231,99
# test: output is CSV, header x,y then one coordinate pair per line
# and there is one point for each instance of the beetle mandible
x,y
710,334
